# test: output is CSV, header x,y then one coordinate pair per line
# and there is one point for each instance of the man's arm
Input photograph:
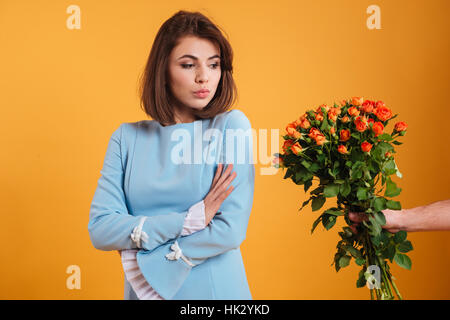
x,y
431,217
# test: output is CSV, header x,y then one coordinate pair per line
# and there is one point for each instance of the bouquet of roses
x,y
347,150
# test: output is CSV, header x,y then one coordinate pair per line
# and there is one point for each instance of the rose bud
x,y
342,149
291,132
344,135
378,128
353,111
400,126
357,101
296,148
366,146
361,124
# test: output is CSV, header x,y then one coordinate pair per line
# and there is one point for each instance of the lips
x,y
201,93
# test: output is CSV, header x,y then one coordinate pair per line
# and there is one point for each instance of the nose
x,y
202,75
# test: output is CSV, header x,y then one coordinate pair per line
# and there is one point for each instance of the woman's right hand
x,y
218,192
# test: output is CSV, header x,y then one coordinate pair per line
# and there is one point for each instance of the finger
x,y
221,187
217,175
225,194
224,176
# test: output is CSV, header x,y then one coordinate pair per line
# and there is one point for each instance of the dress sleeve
x,y
110,226
195,221
168,266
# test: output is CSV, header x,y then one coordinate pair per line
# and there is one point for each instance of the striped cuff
x,y
195,219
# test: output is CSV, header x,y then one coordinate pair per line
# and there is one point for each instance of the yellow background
x,y
63,92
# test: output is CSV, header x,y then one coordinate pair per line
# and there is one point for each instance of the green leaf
x,y
317,190
391,189
317,203
344,261
374,228
353,251
331,190
334,212
379,204
389,253
305,203
380,218
328,221
385,137
361,194
306,164
355,135
394,205
314,167
397,143
400,236
307,185
389,167
325,126
403,260
360,261
361,282
315,224
288,173
405,246
345,189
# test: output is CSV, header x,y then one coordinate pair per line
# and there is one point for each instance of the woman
x,y
157,199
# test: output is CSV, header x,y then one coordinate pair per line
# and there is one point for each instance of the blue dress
x,y
159,172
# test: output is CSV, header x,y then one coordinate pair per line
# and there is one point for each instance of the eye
x,y
187,66
216,65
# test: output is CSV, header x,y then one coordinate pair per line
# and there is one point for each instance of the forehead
x,y
198,47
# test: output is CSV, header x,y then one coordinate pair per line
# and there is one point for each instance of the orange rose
x,y
314,132
333,130
319,116
343,102
366,146
342,149
383,113
319,109
286,145
370,120
357,101
361,124
353,111
296,148
387,154
345,119
400,126
304,123
333,114
368,106
378,128
344,135
379,104
293,133
320,139
291,125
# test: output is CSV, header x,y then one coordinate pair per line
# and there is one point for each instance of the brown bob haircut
x,y
157,101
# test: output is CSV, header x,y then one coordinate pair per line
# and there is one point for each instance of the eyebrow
x,y
195,58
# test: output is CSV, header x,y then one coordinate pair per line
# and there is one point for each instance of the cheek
x,y
182,80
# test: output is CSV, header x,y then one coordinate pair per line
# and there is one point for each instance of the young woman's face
x,y
194,64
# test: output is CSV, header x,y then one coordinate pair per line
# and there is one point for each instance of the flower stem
x,y
395,288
